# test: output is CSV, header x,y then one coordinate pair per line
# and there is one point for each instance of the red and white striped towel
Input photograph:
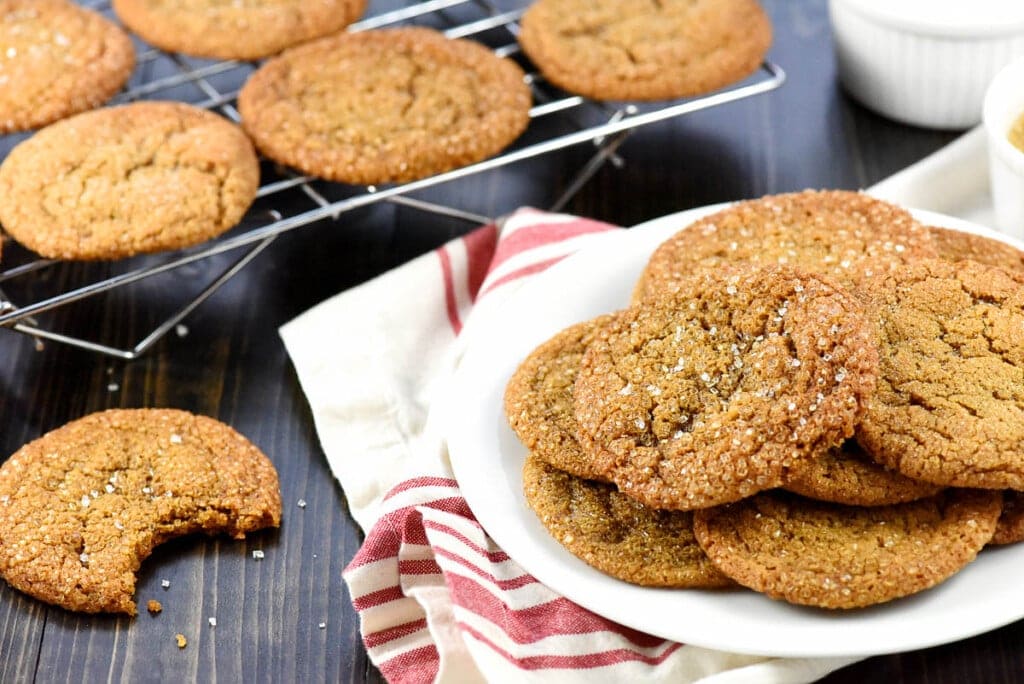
x,y
438,601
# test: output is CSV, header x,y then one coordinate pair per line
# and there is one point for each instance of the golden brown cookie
x,y
538,399
956,245
240,29
1010,528
832,556
835,232
616,534
82,506
384,106
846,475
115,182
57,59
642,50
949,408
712,392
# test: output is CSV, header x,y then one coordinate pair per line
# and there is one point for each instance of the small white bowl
x,y
925,62
1004,103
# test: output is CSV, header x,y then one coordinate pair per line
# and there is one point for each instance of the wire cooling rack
x,y
215,85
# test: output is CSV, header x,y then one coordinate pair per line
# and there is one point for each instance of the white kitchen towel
x,y
438,601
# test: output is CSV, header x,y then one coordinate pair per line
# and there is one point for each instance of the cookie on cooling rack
x,y
82,506
832,556
384,106
57,59
835,232
119,181
243,29
642,50
709,394
951,378
615,534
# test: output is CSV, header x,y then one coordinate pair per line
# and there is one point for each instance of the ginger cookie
x,y
846,475
82,506
711,393
639,50
119,181
615,534
1010,528
956,245
384,106
57,59
949,408
831,556
241,29
835,232
538,399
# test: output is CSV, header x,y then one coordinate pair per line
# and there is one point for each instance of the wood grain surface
x,y
288,617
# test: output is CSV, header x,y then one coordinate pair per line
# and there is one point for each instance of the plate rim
x,y
654,231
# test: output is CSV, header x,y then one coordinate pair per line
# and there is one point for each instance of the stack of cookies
x,y
812,395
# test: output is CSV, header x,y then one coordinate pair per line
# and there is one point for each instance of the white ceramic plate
x,y
487,459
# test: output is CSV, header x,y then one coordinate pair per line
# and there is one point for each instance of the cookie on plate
x,y
832,556
835,232
57,59
538,399
956,245
82,506
639,50
242,29
615,534
711,393
847,475
384,106
950,391
125,180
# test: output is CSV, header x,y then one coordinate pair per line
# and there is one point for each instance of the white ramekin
x,y
1004,102
925,62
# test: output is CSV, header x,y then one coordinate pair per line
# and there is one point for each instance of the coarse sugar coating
x,y
1010,528
833,556
949,407
82,506
957,245
538,399
847,475
642,50
708,394
834,232
125,180
384,106
235,29
57,59
616,534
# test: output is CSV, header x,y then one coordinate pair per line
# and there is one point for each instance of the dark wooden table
x,y
288,617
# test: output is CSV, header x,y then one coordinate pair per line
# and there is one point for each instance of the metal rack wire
x,y
602,124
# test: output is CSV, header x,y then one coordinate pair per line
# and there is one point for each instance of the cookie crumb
x,y
301,503
257,554
154,606
166,584
182,641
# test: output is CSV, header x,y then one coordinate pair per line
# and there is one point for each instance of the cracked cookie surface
x,y
235,29
615,534
949,407
119,181
835,232
709,394
956,245
847,475
57,59
82,506
538,399
832,556
384,106
644,50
